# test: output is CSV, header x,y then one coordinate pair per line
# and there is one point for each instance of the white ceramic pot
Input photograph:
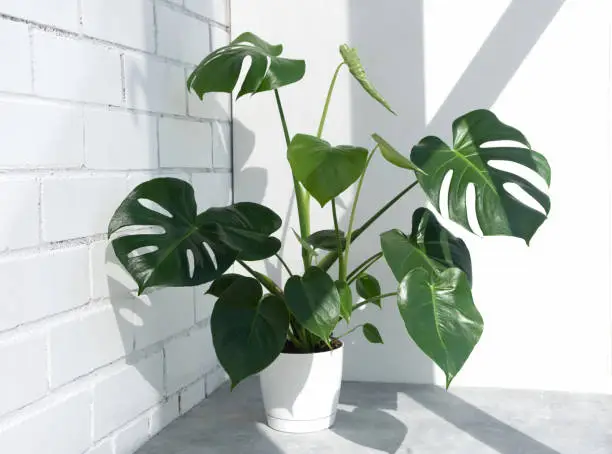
x,y
300,391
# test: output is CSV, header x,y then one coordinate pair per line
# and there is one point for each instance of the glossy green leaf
x,y
372,334
440,316
305,244
326,240
392,155
220,70
154,245
438,243
498,212
368,287
325,171
222,283
314,301
350,57
248,331
346,300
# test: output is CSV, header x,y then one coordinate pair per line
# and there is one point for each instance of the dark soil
x,y
319,348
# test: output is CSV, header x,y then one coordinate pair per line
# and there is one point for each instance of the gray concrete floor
x,y
411,419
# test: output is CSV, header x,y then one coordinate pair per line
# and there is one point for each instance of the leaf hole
x,y
144,250
211,254
502,143
444,193
522,196
131,230
190,262
470,202
522,171
154,206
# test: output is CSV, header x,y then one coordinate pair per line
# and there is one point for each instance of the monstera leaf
x,y
160,239
498,211
248,331
324,170
220,70
350,57
440,316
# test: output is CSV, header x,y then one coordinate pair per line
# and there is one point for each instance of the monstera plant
x,y
163,241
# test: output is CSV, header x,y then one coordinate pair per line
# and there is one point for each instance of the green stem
x,y
302,198
268,283
280,259
349,232
367,263
341,262
349,331
331,257
328,99
376,298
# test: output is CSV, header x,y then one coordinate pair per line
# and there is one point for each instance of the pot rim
x,y
316,353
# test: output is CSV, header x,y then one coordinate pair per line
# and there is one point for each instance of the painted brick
x,y
19,208
154,85
77,70
62,428
127,23
58,141
134,179
79,207
188,358
164,414
192,396
24,372
214,106
121,397
215,379
181,37
63,14
222,145
16,74
219,37
163,313
109,278
185,143
212,189
216,10
106,447
120,140
61,284
87,342
204,303
132,437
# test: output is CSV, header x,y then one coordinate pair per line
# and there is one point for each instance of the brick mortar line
x,y
6,95
74,172
189,13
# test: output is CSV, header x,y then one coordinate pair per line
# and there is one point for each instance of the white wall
x,y
542,66
93,102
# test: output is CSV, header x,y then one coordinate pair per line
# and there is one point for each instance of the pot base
x,y
300,427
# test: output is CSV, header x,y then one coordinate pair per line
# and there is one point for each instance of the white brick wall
x,y
93,102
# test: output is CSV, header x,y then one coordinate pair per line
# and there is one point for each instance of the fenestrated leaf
x,y
325,171
160,257
368,287
222,283
372,334
246,227
438,243
220,70
248,331
498,212
346,300
350,57
440,316
326,240
394,156
314,301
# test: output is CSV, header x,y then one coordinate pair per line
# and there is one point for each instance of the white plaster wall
x,y
543,66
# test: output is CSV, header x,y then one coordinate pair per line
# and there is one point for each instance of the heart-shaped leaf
x,y
394,156
346,300
248,331
327,240
440,316
222,283
498,212
325,171
155,245
372,334
350,57
368,287
220,70
314,301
